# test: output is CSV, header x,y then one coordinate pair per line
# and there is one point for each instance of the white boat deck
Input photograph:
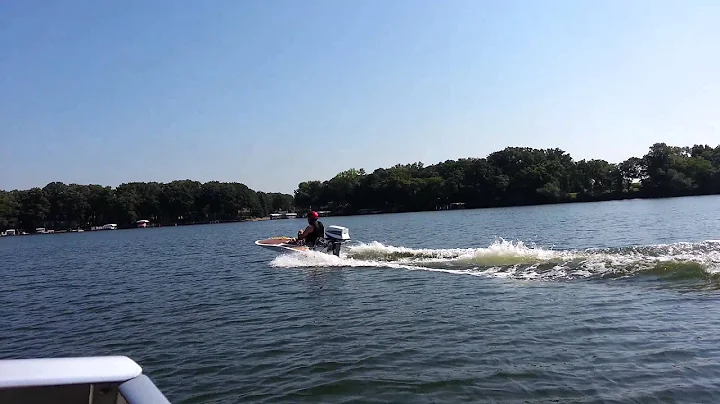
x,y
76,380
60,371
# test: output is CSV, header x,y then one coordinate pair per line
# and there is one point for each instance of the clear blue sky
x,y
271,93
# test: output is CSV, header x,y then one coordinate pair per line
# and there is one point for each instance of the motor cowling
x,y
335,236
337,233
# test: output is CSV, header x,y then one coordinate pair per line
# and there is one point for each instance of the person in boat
x,y
313,232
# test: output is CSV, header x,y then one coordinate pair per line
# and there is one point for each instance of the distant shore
x,y
88,229
71,206
571,199
514,176
256,219
363,213
517,176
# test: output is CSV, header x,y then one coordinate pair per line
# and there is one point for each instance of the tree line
x,y
61,206
517,176
511,177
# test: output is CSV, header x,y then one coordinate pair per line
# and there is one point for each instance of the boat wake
x,y
679,261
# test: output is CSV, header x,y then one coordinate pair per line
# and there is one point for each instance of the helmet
x,y
313,215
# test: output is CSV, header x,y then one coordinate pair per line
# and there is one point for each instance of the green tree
x,y
517,176
178,199
630,171
8,211
100,205
33,208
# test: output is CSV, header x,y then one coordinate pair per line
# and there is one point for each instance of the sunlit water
x,y
601,302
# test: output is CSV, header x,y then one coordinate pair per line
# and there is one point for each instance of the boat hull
x,y
281,244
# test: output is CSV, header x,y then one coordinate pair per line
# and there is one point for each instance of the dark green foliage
x,y
517,176
61,206
8,210
513,176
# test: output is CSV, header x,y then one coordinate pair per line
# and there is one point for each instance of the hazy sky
x,y
271,93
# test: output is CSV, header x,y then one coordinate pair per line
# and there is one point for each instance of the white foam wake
x,y
500,252
517,260
318,259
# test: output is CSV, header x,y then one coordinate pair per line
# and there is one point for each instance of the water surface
x,y
597,302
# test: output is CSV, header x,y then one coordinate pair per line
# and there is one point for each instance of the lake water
x,y
598,302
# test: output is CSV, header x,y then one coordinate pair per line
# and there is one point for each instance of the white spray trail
x,y
516,260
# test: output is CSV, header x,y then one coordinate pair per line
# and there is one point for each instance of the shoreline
x,y
88,230
628,197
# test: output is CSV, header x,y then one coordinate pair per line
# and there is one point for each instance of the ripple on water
x,y
212,322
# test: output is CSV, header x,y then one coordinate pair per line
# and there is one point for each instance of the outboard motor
x,y
335,236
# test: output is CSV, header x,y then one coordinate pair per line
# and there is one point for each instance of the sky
x,y
274,92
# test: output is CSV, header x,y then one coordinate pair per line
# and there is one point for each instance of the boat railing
x,y
102,379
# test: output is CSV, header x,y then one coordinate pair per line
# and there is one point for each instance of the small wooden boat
x,y
335,237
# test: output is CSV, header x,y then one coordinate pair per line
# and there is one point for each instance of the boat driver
x,y
314,231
